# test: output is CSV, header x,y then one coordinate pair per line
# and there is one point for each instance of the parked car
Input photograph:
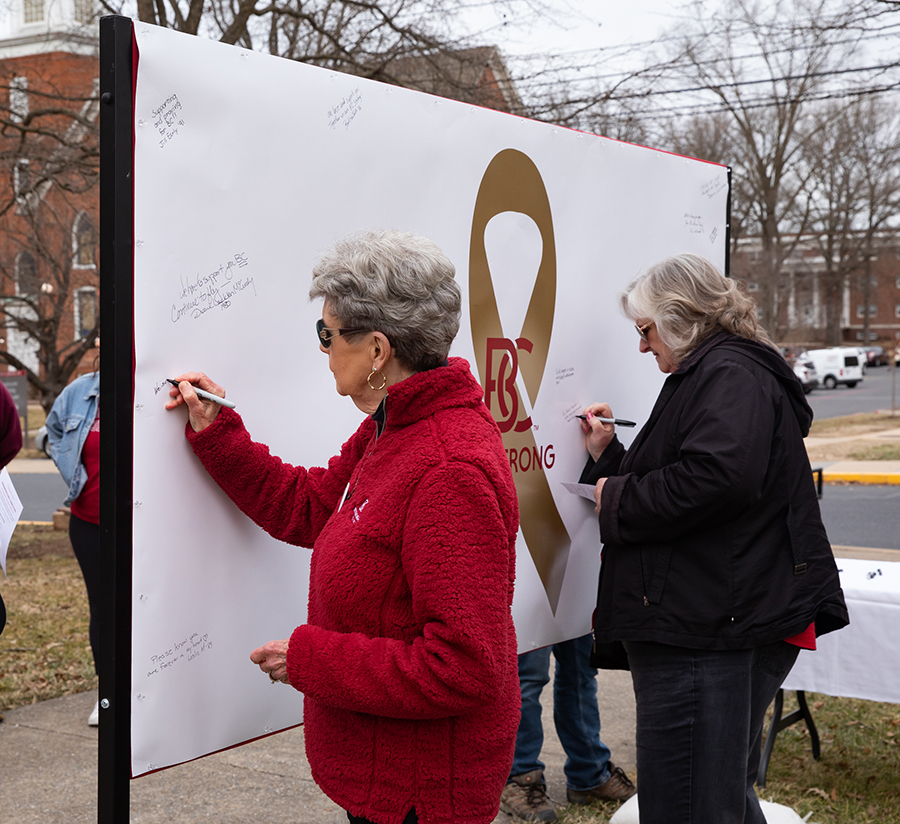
x,y
876,356
41,441
805,370
838,365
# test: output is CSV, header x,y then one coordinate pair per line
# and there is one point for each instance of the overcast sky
x,y
581,24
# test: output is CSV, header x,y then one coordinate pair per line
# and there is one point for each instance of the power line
x,y
764,102
675,65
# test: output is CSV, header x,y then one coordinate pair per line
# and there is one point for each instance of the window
x,y
85,311
26,275
860,336
34,11
84,11
861,310
21,180
897,310
83,242
753,286
18,99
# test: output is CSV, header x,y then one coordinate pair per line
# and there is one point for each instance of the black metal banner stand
x,y
116,320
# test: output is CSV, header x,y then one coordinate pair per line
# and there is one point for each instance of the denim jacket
x,y
68,425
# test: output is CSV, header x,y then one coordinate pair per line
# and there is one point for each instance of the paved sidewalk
x,y
860,472
48,770
31,466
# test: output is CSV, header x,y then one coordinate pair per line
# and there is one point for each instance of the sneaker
x,y
618,787
525,798
94,717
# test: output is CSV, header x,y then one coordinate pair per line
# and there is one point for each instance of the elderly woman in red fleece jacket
x,y
408,658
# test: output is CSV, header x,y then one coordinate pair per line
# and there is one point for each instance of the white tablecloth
x,y
863,659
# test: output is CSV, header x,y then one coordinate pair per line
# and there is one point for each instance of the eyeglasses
x,y
325,334
642,330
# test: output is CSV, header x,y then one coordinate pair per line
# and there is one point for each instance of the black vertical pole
x,y
116,320
728,228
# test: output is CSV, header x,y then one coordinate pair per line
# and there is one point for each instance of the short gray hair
x,y
689,299
396,283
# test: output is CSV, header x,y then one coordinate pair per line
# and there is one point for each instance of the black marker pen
x,y
616,421
202,393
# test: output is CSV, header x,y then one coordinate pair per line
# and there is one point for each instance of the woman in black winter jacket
x,y
716,566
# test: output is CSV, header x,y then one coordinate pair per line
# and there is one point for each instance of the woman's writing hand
x,y
201,413
272,660
597,435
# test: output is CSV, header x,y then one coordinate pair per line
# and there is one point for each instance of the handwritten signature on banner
x,y
215,290
167,119
187,649
712,187
345,112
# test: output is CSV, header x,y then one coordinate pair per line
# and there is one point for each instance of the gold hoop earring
x,y
383,381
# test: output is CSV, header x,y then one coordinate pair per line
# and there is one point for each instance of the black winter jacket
x,y
710,522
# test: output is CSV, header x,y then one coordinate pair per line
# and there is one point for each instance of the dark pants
x,y
85,538
411,818
700,716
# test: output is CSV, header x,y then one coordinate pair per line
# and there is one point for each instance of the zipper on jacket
x,y
646,602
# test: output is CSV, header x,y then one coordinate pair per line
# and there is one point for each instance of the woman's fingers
x,y
201,413
271,658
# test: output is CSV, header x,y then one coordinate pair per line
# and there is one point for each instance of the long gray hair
x,y
396,283
688,300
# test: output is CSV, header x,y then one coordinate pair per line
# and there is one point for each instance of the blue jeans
x,y
575,713
700,716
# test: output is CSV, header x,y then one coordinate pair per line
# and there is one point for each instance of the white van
x,y
837,365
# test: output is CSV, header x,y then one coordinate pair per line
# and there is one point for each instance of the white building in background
x,y
29,27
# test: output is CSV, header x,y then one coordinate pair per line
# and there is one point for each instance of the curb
x,y
880,478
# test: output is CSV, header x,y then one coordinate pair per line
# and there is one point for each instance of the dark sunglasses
x,y
325,334
642,330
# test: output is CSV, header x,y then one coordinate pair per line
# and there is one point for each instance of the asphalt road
x,y
853,515
41,494
874,392
862,515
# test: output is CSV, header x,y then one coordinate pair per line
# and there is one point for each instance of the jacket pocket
x,y
72,422
654,571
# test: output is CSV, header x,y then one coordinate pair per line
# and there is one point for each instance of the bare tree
x,y
50,154
368,38
855,198
795,46
48,137
48,278
50,308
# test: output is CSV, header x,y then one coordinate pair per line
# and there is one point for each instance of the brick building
x,y
49,198
814,304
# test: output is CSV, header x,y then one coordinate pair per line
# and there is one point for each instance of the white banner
x,y
246,168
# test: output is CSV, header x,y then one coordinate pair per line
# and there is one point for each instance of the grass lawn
x,y
44,650
854,437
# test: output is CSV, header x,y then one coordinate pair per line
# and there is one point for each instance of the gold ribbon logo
x,y
512,183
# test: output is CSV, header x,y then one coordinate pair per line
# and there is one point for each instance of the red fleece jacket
x,y
408,660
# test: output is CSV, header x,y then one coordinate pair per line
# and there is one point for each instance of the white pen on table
x,y
202,393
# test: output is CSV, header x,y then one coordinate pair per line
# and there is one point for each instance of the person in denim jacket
x,y
73,430
67,433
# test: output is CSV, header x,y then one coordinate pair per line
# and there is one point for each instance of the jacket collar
x,y
435,390
766,357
